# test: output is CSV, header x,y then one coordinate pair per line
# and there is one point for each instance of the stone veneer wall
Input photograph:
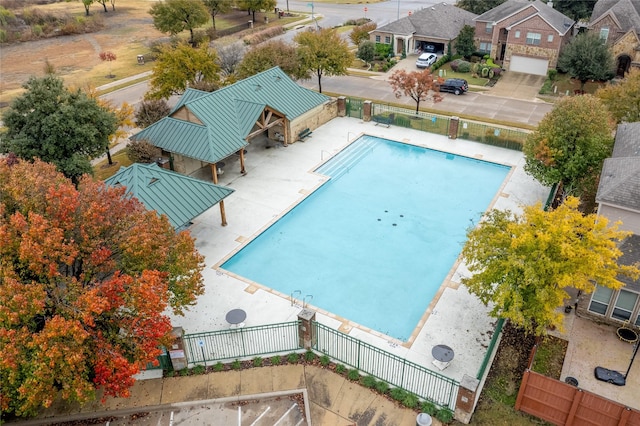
x,y
313,118
627,45
532,52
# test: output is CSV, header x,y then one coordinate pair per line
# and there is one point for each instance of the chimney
x,y
550,4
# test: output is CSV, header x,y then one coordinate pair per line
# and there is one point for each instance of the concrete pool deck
x,y
276,180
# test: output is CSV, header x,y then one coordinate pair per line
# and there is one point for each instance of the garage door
x,y
529,65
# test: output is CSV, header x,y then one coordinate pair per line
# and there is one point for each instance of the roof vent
x,y
153,180
258,87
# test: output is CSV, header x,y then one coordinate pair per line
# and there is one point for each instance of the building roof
x,y
560,22
625,12
630,255
179,197
227,116
443,21
620,179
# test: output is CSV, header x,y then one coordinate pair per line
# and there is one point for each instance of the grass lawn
x,y
103,170
498,398
449,73
564,84
550,357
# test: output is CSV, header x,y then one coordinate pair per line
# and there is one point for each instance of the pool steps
x,y
348,158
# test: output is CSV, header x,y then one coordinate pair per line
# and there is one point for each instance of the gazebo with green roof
x,y
209,127
181,198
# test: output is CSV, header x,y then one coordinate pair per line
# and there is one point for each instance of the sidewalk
x,y
122,81
332,399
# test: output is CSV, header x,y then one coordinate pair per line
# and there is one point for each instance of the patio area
x,y
594,345
277,179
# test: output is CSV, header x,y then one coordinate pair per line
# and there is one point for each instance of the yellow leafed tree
x,y
523,264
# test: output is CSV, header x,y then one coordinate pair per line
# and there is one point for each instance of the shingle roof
x,y
627,142
556,19
630,255
626,12
443,21
228,115
179,197
620,180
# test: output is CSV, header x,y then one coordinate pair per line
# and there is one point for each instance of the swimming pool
x,y
375,242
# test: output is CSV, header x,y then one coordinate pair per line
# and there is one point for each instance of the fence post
x,y
577,398
466,398
176,353
342,106
366,110
306,336
453,127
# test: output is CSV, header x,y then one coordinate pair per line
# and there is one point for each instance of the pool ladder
x,y
304,301
293,299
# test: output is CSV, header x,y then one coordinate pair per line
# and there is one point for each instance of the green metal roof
x,y
229,114
179,197
188,95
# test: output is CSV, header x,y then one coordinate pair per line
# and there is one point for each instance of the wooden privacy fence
x,y
565,405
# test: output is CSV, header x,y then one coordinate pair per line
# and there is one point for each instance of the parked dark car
x,y
456,86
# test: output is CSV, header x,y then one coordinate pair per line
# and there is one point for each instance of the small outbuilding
x,y
206,128
181,198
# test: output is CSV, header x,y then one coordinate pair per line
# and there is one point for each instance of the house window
x,y
377,39
534,38
600,300
604,33
489,28
485,47
550,38
624,305
387,40
517,33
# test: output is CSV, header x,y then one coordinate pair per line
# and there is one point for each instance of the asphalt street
x,y
480,105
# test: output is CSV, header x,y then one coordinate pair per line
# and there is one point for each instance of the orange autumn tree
x,y
418,85
85,277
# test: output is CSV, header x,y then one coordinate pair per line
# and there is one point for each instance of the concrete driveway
x,y
517,85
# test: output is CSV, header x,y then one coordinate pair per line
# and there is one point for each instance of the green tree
x,y
253,6
523,264
586,58
367,51
478,6
323,52
175,16
465,43
418,85
87,277
87,4
575,9
183,66
59,126
623,98
361,33
216,7
570,145
268,55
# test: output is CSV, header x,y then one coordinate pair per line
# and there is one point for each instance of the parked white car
x,y
426,60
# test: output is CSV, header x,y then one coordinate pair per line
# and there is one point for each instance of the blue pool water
x,y
376,241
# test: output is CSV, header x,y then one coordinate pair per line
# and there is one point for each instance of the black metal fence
x,y
395,370
241,343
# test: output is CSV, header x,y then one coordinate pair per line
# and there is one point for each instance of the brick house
x,y
437,25
618,23
618,199
525,36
